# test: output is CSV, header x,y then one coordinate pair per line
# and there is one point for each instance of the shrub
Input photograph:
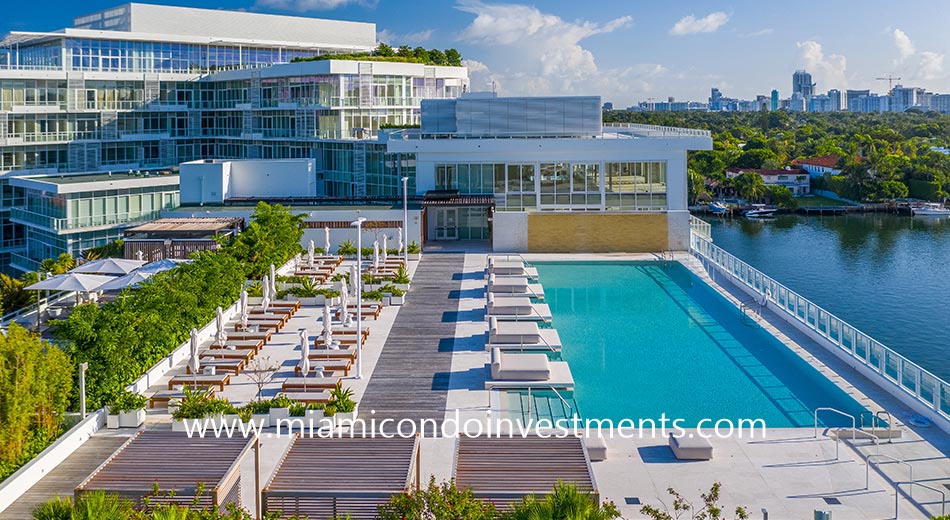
x,y
126,401
709,510
199,403
438,502
564,501
272,237
413,248
341,400
346,248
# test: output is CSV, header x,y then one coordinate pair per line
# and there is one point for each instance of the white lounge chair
x,y
511,268
521,335
509,305
514,285
519,367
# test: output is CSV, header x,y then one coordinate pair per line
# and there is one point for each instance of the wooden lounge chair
x,y
347,332
329,353
219,380
333,364
233,366
225,353
243,336
294,384
310,397
289,306
254,345
268,325
345,340
271,314
368,310
164,396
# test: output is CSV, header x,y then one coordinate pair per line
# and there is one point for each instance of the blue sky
x,y
630,50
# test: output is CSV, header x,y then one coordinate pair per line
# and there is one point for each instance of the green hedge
x,y
927,190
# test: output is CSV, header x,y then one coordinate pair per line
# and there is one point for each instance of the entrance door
x,y
446,224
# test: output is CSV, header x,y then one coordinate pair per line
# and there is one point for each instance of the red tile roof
x,y
826,161
793,171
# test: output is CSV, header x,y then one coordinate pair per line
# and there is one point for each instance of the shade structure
x,y
327,327
161,265
193,363
76,282
132,279
109,266
326,240
221,335
245,312
385,245
310,249
273,283
399,245
375,254
304,352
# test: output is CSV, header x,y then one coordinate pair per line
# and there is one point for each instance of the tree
x,y
437,502
13,293
273,237
888,190
421,54
384,50
750,186
64,262
697,186
453,58
782,196
710,509
437,57
564,502
754,158
405,51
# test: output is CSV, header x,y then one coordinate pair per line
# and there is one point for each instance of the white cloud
x,y
692,25
931,65
762,32
311,5
388,37
828,69
536,53
904,46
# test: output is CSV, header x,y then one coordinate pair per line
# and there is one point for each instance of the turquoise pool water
x,y
646,338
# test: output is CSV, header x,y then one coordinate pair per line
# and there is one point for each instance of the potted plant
x,y
341,407
413,251
279,408
397,296
258,412
402,280
128,410
231,416
346,249
244,414
194,406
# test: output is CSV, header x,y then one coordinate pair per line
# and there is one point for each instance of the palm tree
x,y
750,186
565,502
13,295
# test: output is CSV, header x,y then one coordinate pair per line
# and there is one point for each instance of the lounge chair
x,y
309,397
289,306
260,325
164,396
254,345
226,353
295,384
219,380
520,335
509,305
322,352
233,366
511,268
347,332
519,367
263,336
691,447
332,364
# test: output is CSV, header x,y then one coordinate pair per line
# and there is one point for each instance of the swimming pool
x,y
646,338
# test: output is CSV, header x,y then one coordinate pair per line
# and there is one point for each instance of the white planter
x,y
397,300
254,300
132,419
262,420
112,421
339,417
178,425
401,286
232,419
414,256
277,414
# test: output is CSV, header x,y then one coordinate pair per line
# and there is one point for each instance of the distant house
x,y
818,166
795,179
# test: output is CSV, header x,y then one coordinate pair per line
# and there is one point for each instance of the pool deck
x,y
790,473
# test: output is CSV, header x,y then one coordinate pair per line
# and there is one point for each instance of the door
x,y
446,224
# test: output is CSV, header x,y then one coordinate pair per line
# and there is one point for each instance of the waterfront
x,y
886,275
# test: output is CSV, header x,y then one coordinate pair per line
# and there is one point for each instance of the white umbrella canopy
x,y
399,244
71,282
326,240
193,363
110,266
376,254
304,352
310,250
161,265
221,336
130,280
385,245
244,309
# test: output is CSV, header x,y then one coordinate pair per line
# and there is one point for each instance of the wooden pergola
x,y
503,470
340,476
175,464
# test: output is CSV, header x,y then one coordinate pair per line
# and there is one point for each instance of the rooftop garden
x,y
402,54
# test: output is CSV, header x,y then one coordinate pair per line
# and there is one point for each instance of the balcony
x,y
60,225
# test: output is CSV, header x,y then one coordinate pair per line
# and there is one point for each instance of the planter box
x,y
401,286
262,420
312,301
112,421
178,425
132,419
397,300
414,256
232,419
276,414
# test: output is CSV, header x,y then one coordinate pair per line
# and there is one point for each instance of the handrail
x,y
870,462
508,257
897,497
558,394
567,404
890,366
890,424
854,436
854,425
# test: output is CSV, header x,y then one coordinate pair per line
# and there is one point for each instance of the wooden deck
x,y
65,477
411,378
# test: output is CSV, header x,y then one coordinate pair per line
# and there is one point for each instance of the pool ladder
x,y
879,416
559,396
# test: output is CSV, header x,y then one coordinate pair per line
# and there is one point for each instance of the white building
x,y
796,180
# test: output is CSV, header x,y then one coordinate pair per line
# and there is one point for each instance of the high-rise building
x,y
715,99
903,98
940,103
775,104
802,84
797,103
835,96
146,87
852,98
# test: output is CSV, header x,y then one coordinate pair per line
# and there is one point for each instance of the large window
x,y
637,186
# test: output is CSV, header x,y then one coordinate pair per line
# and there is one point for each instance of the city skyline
x,y
561,48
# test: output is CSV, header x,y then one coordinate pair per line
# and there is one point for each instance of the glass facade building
x,y
140,87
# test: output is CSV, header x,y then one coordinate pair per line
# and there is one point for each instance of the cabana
x,y
144,462
333,477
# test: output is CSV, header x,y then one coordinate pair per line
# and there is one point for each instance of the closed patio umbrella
x,y
354,278
385,245
326,241
327,327
244,309
265,302
193,363
310,254
344,303
273,282
304,354
399,244
375,254
221,337
265,292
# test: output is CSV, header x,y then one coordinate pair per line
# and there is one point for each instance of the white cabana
x,y
109,266
132,279
221,335
73,282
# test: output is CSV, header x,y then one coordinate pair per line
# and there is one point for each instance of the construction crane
x,y
890,82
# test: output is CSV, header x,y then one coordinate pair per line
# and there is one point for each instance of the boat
x,y
930,209
759,211
718,208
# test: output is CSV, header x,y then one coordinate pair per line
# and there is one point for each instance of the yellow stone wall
x,y
597,232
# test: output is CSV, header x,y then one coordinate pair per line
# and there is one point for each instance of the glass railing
x,y
891,370
700,227
64,224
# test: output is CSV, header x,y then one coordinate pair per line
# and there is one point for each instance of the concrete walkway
x,y
411,378
63,479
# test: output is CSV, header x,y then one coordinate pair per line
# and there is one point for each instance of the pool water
x,y
647,338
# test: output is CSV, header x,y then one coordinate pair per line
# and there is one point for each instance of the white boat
x,y
929,209
717,208
759,211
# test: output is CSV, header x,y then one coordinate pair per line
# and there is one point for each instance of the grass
x,y
818,200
